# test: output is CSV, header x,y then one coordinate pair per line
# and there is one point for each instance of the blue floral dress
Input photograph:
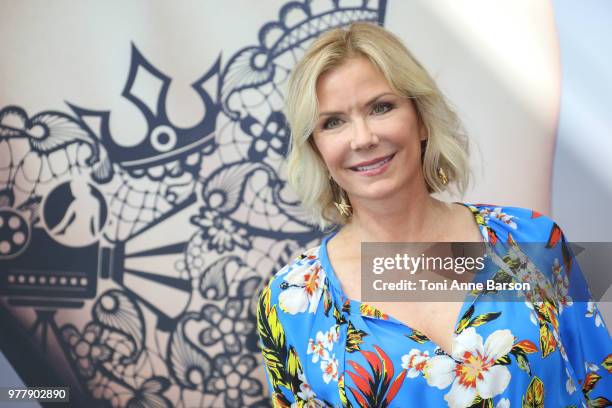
x,y
550,349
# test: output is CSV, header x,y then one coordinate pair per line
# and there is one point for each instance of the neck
x,y
413,217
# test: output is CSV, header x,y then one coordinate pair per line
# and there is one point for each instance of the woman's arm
x,y
582,331
274,349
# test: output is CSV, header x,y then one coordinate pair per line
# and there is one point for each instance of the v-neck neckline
x,y
355,305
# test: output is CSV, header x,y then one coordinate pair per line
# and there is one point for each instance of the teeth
x,y
373,165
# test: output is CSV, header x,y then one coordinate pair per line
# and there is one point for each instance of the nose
x,y
363,137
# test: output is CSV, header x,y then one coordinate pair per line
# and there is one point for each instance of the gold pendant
x,y
442,176
343,208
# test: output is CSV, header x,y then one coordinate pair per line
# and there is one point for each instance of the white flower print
x,y
330,369
505,218
588,366
311,403
503,403
414,362
306,391
332,336
306,394
593,312
472,369
561,285
318,347
302,289
525,271
322,342
532,315
560,346
497,213
570,386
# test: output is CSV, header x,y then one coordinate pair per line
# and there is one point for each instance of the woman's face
x,y
368,136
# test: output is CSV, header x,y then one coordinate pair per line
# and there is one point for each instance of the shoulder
x,y
297,286
521,224
533,246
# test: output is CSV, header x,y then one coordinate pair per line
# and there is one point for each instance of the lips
x,y
371,165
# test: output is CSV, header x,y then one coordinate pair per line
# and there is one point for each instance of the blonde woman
x,y
372,138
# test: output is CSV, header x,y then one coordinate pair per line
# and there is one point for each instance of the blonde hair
x,y
446,144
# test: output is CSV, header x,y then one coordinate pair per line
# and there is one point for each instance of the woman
x,y
372,138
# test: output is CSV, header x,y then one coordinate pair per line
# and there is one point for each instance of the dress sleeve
x,y
583,333
274,349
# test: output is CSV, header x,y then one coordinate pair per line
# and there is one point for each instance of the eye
x,y
331,123
381,107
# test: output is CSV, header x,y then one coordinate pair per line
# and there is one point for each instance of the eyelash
x,y
327,122
387,105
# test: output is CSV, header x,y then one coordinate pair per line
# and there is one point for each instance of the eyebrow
x,y
368,103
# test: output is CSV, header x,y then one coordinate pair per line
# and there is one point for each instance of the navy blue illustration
x,y
138,265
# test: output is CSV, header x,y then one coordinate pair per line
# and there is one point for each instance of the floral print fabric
x,y
550,349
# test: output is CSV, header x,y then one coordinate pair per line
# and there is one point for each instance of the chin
x,y
375,192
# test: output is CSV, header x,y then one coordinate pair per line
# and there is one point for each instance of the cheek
x,y
400,130
332,158
332,152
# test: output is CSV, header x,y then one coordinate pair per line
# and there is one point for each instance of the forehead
x,y
354,81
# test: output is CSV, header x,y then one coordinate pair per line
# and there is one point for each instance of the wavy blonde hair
x,y
446,146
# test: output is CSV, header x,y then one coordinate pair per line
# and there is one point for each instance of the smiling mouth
x,y
373,166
